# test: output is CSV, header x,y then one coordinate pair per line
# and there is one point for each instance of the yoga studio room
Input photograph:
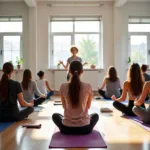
x,y
75,74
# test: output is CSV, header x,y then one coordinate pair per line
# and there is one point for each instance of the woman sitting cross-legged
x,y
30,88
10,93
142,113
133,86
112,83
76,99
43,85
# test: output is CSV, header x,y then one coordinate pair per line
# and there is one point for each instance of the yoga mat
x,y
139,122
92,140
4,125
39,108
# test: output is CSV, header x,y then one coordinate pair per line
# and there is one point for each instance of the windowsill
x,y
86,69
16,70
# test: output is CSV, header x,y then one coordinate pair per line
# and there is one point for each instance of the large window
x,y
83,32
139,37
10,39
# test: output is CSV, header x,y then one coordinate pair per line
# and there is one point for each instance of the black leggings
x,y
57,118
126,109
38,101
102,93
15,114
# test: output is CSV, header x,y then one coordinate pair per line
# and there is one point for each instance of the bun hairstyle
x,y
135,78
7,69
144,68
40,74
71,49
75,69
27,76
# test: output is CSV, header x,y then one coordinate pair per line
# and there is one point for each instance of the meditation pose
x,y
112,83
43,85
30,89
133,87
142,113
76,97
10,93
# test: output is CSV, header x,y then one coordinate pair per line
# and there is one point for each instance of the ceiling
x,y
33,3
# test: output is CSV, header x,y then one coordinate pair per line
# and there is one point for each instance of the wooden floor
x,y
119,133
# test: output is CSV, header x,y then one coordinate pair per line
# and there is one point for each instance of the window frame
x,y
72,34
137,34
11,34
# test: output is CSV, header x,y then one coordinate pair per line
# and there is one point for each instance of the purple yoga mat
x,y
92,140
139,122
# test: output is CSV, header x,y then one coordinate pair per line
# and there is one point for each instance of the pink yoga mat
x,y
139,122
92,140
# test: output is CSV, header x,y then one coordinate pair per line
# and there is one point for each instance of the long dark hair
x,y
27,76
7,69
135,79
75,69
112,74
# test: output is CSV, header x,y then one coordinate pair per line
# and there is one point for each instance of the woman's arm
x,y
85,63
90,98
61,96
103,85
48,87
65,66
22,102
144,94
124,93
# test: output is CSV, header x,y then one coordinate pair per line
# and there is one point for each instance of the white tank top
x,y
42,86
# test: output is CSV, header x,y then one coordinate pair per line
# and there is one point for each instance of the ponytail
x,y
75,83
74,89
7,69
4,87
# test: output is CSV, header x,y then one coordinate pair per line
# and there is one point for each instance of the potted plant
x,y
92,62
19,62
58,65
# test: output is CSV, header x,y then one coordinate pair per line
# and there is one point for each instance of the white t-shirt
x,y
42,86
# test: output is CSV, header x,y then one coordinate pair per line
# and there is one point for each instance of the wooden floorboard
x,y
119,133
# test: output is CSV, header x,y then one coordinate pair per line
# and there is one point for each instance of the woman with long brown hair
x,y
76,97
133,86
112,83
30,89
10,93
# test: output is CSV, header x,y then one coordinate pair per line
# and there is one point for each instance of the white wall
x,y
43,15
19,9
121,32
115,23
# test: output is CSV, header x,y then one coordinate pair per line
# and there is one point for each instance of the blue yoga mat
x,y
4,125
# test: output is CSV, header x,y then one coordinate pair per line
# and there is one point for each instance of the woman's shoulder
x,y
13,82
64,85
126,83
86,85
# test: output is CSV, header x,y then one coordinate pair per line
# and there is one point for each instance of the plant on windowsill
x,y
58,65
19,62
92,63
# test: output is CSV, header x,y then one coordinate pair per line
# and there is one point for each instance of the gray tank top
x,y
113,88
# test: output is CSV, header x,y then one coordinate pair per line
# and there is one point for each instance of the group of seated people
x,y
76,97
28,93
137,86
